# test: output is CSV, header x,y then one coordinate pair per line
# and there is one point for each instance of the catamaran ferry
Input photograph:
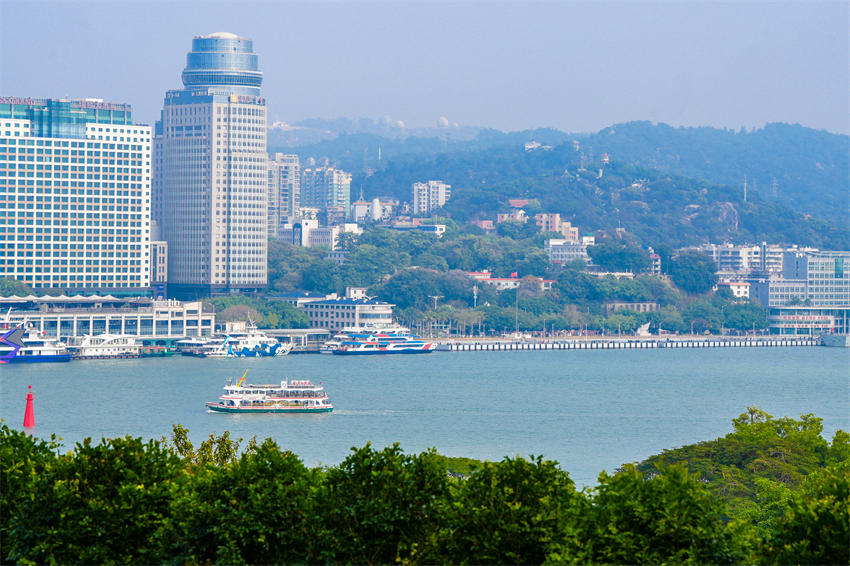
x,y
375,345
296,396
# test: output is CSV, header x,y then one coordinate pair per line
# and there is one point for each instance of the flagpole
x,y
516,311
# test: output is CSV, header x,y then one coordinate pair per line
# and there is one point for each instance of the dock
x,y
624,344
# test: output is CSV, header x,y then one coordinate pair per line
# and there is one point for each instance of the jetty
x,y
491,345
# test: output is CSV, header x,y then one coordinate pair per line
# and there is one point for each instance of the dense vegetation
x,y
811,167
265,314
130,501
409,269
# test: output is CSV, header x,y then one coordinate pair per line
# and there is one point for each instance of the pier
x,y
624,344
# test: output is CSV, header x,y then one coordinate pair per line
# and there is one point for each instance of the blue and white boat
x,y
248,344
41,349
379,344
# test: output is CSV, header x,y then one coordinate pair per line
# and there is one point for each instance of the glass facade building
x,y
211,171
75,189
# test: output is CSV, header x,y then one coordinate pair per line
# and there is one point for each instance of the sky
x,y
575,66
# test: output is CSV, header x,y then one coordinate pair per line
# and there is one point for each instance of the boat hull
x,y
378,352
105,356
40,359
217,407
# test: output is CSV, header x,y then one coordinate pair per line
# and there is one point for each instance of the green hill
x,y
804,168
664,184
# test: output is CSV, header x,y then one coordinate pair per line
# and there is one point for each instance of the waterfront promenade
x,y
630,343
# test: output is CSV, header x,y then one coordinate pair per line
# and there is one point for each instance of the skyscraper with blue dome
x,y
210,190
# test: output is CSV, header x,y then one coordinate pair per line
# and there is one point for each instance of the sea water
x,y
589,410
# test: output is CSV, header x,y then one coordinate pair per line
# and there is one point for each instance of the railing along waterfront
x,y
623,344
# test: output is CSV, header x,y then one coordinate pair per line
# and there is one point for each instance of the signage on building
x,y
803,321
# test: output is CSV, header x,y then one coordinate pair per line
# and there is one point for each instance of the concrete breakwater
x,y
624,344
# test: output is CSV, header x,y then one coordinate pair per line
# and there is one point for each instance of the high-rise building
x,y
284,190
430,196
211,171
325,187
75,189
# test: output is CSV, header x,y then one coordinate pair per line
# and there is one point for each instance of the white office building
x,y
563,251
430,196
75,189
211,183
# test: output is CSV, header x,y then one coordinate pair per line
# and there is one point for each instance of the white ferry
x,y
105,346
361,333
296,396
376,345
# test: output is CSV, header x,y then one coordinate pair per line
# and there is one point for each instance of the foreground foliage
x,y
771,492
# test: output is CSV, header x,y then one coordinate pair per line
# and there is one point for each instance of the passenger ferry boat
x,y
248,344
41,349
296,396
376,345
365,333
105,346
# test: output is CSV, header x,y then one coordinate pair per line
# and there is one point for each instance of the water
x,y
589,410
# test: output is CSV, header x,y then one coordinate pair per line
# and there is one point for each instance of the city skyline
x,y
576,67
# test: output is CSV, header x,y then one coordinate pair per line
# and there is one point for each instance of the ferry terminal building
x,y
63,316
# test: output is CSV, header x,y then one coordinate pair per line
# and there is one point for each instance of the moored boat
x,y
41,349
295,396
105,346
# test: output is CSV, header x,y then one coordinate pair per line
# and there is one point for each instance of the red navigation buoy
x,y
29,414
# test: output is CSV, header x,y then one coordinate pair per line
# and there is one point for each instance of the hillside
x,y
655,206
811,168
664,184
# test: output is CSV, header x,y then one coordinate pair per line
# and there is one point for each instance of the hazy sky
x,y
570,65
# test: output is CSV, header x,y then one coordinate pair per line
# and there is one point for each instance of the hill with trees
x,y
811,168
679,185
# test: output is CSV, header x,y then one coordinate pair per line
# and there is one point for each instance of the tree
x,y
238,313
619,256
101,504
11,286
694,272
667,518
516,511
815,529
252,509
380,506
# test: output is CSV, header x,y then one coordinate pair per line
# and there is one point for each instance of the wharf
x,y
623,344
